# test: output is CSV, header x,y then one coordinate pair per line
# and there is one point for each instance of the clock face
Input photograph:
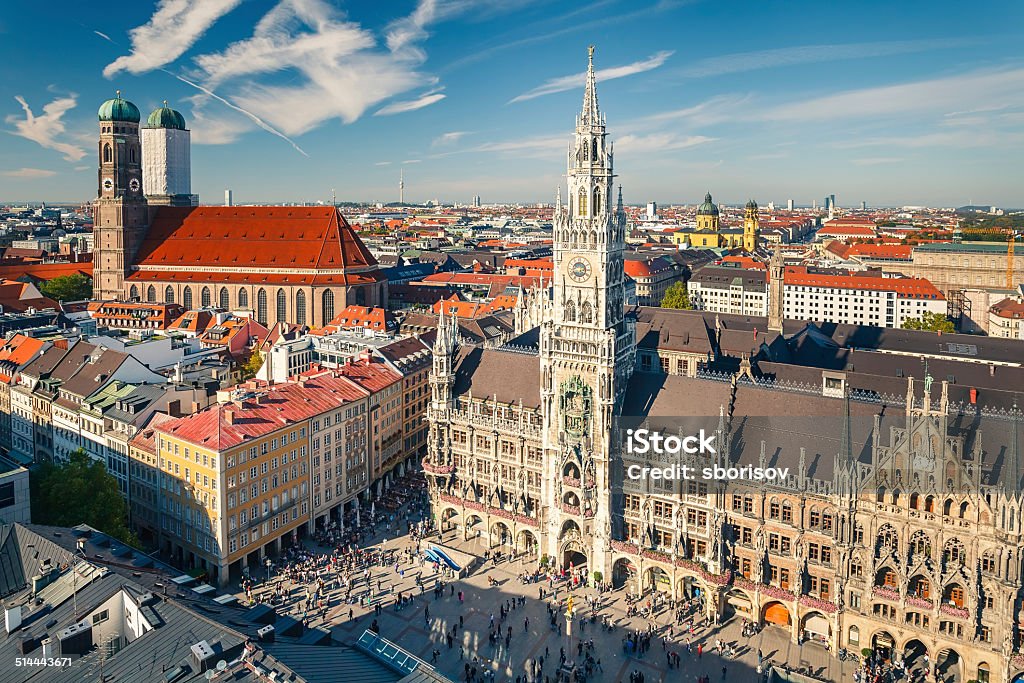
x,y
108,184
579,269
133,184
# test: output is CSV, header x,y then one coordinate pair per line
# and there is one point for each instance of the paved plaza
x,y
423,625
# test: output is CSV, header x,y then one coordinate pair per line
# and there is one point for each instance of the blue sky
x,y
888,102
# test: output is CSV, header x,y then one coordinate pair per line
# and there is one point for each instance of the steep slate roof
x,y
254,237
493,373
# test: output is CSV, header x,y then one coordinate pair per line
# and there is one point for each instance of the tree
x,y
252,365
80,491
677,296
934,322
67,288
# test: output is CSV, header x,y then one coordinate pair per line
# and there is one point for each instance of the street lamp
x,y
269,563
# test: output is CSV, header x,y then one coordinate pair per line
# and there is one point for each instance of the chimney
x,y
229,416
174,408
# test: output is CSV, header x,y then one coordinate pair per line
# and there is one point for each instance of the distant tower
x,y
229,199
789,205
167,159
120,214
652,210
863,206
708,215
776,290
751,229
401,186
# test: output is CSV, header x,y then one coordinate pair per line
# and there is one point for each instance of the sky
x,y
891,103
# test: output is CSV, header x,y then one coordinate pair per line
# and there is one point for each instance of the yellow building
x,y
751,229
709,233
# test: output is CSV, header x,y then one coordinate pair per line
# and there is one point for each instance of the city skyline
x,y
465,99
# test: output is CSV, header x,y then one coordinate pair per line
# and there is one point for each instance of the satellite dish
x,y
221,665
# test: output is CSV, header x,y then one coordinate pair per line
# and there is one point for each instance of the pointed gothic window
x,y
586,313
570,311
327,306
186,298
151,294
205,297
261,306
586,151
597,200
106,153
243,298
133,293
582,202
168,295
300,307
593,154
282,306
224,298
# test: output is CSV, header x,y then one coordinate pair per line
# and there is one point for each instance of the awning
x,y
817,625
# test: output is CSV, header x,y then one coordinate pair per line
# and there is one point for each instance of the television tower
x,y
401,186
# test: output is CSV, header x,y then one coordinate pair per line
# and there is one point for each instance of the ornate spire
x,y
591,115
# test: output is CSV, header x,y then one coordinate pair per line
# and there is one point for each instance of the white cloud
x,y
409,105
383,163
564,83
30,173
875,161
449,138
1004,87
170,32
810,54
658,142
412,161
46,128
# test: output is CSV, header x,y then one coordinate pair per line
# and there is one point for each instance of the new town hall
x,y
898,527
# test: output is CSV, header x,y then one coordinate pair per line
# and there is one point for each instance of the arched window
x,y
929,504
586,313
593,154
914,501
582,202
168,295
597,200
880,495
300,307
888,540
586,151
327,306
954,553
106,153
261,306
570,311
854,635
131,155
896,497
133,293
151,294
947,507
225,299
205,298
282,306
920,544
186,298
963,509
243,298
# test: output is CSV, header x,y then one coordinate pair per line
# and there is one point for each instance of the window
x,y
261,306
224,301
581,208
327,306
100,617
107,155
282,306
243,298
169,295
7,495
151,294
300,307
205,298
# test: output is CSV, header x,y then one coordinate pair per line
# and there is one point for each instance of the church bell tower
x,y
587,347
120,210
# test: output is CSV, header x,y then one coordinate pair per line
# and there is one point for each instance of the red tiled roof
x,y
262,278
264,237
644,267
910,287
1009,308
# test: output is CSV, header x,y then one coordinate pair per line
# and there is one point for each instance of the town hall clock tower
x,y
587,348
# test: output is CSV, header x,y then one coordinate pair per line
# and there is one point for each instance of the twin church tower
x,y
139,167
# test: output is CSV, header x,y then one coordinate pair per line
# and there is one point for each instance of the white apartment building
x,y
1005,317
730,290
858,298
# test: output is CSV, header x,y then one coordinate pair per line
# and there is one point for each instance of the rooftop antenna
x,y
334,198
